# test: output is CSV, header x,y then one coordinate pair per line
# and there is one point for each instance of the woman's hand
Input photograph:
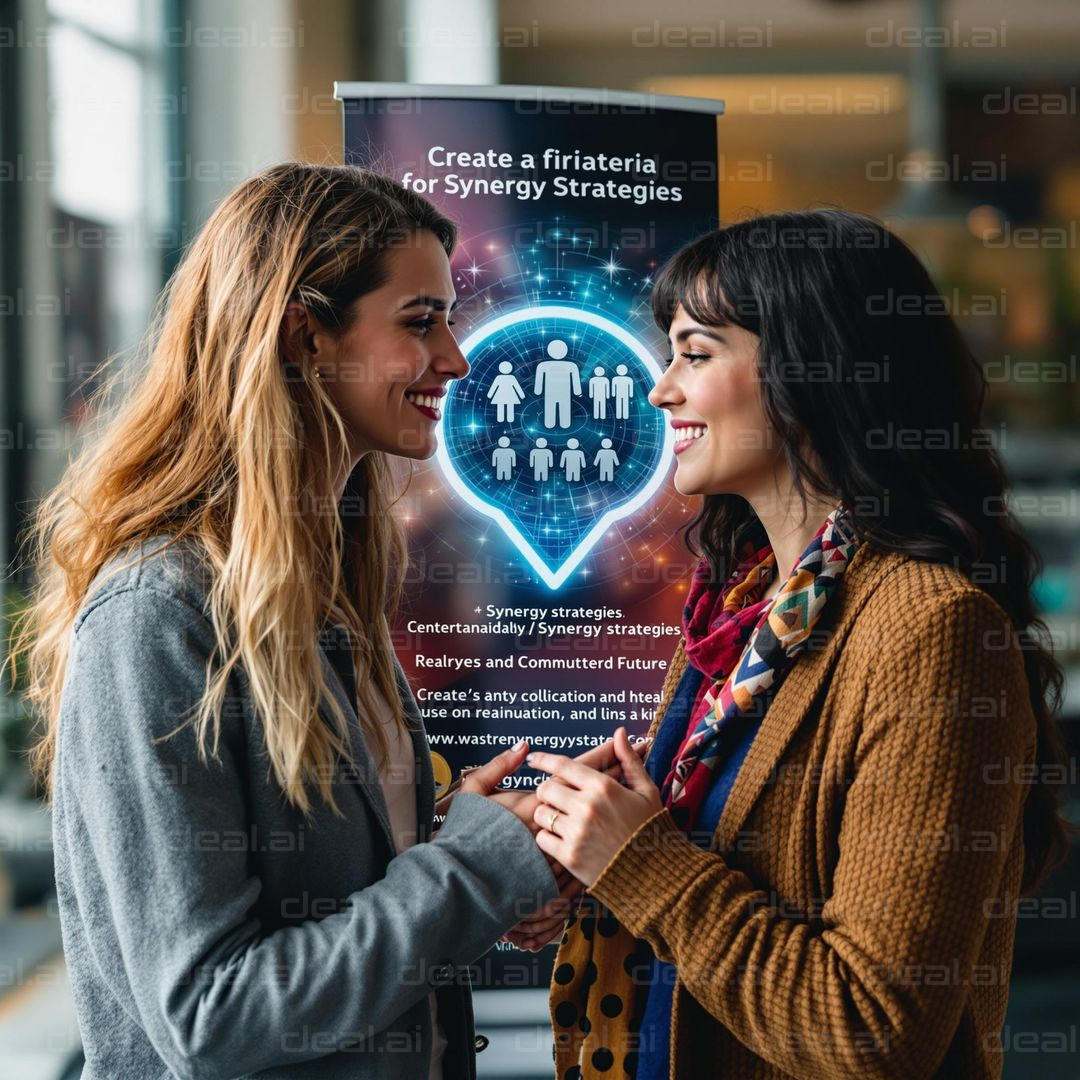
x,y
485,779
585,816
522,803
547,924
603,760
538,930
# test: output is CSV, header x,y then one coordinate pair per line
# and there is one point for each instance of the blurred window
x,y
113,109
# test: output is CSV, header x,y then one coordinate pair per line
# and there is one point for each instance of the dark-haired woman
x,y
815,872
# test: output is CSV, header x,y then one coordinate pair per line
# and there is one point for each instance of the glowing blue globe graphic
x,y
552,435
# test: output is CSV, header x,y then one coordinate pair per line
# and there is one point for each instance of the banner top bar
x,y
353,90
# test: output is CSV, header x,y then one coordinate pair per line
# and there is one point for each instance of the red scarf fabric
x,y
714,642
750,644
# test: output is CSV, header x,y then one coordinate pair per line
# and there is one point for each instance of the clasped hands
x,y
580,816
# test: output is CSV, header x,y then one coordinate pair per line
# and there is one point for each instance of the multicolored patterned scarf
x,y
594,998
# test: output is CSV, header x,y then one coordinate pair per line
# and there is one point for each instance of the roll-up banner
x,y
548,569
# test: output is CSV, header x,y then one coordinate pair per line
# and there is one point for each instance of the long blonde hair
x,y
215,442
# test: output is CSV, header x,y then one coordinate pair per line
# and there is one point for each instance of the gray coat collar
x,y
366,774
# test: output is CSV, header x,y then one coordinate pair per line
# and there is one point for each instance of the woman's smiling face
x,y
711,389
389,371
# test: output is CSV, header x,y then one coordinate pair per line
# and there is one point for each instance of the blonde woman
x,y
247,877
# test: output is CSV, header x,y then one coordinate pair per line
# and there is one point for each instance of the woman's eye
x,y
691,356
425,325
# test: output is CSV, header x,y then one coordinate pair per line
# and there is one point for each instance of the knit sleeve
x,y
875,989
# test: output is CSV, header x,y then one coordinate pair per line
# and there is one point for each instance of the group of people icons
x,y
559,382
572,461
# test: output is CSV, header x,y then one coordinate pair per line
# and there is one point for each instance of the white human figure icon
x,y
504,459
622,387
505,393
599,391
558,380
572,460
607,459
541,459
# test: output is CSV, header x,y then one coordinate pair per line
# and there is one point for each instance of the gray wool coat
x,y
210,932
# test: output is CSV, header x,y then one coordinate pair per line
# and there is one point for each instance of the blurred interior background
x,y
123,122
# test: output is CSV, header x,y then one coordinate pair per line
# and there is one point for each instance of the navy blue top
x,y
654,1057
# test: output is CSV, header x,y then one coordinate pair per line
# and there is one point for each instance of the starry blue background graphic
x,y
554,514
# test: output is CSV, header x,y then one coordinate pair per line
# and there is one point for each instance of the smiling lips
x,y
686,435
428,404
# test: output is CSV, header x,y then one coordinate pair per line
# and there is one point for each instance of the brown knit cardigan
x,y
855,916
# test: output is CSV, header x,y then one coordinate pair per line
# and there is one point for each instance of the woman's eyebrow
x,y
716,335
428,302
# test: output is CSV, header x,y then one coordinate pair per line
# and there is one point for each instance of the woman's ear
x,y
303,338
297,333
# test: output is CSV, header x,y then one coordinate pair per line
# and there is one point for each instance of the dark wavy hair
x,y
860,360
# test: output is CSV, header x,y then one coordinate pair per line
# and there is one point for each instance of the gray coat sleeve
x,y
213,991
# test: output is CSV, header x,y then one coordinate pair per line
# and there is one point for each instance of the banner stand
x,y
548,569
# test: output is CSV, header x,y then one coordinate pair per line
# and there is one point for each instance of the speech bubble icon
x,y
552,435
